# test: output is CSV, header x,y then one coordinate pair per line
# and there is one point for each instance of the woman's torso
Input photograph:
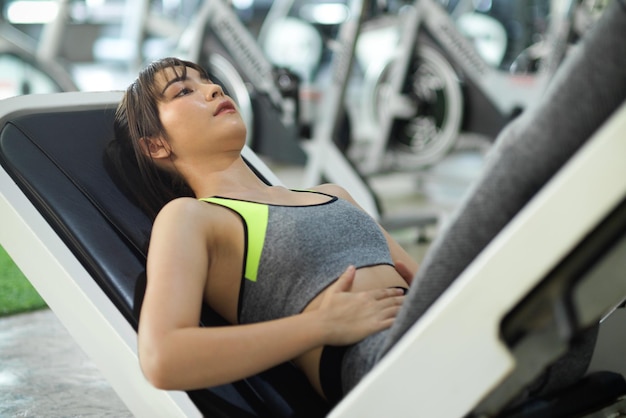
x,y
229,260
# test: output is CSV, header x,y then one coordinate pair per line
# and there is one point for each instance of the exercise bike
x,y
266,95
433,84
31,66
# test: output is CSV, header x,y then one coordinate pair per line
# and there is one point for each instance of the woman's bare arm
x,y
175,353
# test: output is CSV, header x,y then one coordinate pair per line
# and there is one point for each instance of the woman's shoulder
x,y
334,190
187,209
180,206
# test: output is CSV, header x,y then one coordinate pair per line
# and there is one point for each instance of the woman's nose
x,y
214,91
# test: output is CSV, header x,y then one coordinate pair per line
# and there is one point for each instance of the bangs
x,y
176,66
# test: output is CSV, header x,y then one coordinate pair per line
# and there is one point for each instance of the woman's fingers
x,y
351,316
387,293
344,282
391,306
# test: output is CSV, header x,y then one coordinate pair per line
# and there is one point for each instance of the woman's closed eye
x,y
183,91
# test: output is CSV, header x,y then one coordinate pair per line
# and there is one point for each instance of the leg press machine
x,y
476,349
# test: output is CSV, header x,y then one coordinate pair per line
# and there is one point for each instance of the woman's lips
x,y
224,107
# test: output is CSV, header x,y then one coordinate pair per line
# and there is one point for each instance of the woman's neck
x,y
232,179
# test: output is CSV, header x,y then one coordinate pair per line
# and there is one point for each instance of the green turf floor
x,y
16,293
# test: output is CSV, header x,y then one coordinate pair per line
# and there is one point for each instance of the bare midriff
x,y
368,278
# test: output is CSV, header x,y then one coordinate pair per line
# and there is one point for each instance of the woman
x,y
300,273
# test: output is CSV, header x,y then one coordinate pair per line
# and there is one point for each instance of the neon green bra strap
x,y
255,217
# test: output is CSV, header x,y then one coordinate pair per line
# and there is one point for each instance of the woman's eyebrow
x,y
170,82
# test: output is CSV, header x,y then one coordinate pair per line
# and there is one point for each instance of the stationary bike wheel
x,y
425,137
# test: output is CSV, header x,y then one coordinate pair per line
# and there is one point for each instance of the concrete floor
x,y
43,372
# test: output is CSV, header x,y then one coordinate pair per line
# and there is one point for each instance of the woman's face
x,y
196,114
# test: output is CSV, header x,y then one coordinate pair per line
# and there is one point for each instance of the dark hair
x,y
137,117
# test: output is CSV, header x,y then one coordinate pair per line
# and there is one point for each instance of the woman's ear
x,y
156,148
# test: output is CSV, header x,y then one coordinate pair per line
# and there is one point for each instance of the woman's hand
x,y
351,316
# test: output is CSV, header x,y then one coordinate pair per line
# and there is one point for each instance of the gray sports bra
x,y
292,253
